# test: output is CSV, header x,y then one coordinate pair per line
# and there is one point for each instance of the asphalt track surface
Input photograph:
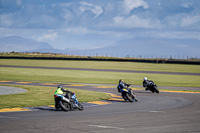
x,y
153,113
165,112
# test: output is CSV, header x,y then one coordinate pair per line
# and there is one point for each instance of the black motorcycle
x,y
152,87
67,104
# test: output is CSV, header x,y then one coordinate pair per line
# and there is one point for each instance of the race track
x,y
163,113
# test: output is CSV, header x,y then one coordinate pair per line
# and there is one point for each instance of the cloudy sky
x,y
88,24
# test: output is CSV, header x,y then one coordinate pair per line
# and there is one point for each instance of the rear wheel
x,y
152,90
64,105
124,97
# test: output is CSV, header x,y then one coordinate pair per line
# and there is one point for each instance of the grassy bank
x,y
43,96
104,65
80,76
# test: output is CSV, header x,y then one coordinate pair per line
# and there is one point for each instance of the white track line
x,y
101,126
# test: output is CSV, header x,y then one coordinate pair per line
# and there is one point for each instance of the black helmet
x,y
120,81
60,86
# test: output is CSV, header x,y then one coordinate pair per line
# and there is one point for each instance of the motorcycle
x,y
127,94
67,104
152,87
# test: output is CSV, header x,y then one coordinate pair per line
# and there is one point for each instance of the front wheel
x,y
80,106
156,90
129,97
134,97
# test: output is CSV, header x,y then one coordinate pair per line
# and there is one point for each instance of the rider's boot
x,y
57,105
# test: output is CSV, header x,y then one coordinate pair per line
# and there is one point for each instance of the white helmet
x,y
145,78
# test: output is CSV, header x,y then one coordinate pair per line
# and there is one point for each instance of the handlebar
x,y
128,85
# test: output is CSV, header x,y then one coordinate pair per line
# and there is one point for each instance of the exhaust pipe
x,y
65,99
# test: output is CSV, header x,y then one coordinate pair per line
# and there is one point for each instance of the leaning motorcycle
x,y
152,87
67,104
127,94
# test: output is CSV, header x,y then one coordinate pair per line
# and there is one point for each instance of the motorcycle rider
x,y
60,91
122,85
146,83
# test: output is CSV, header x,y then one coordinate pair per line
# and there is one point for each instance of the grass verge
x,y
43,96
78,76
104,65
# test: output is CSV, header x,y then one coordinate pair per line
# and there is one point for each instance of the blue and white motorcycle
x,y
127,94
66,104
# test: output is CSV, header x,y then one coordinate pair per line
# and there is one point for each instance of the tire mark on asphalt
x,y
104,70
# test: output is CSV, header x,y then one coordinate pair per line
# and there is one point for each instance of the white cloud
x,y
132,4
97,10
6,20
77,30
19,2
186,5
49,36
110,20
190,20
136,22
86,4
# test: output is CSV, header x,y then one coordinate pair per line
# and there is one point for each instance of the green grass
x,y
78,76
104,65
43,96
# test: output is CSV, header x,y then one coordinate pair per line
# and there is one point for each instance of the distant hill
x,y
144,47
20,44
147,47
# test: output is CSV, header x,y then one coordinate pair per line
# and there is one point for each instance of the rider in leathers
x,y
146,83
60,91
122,85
